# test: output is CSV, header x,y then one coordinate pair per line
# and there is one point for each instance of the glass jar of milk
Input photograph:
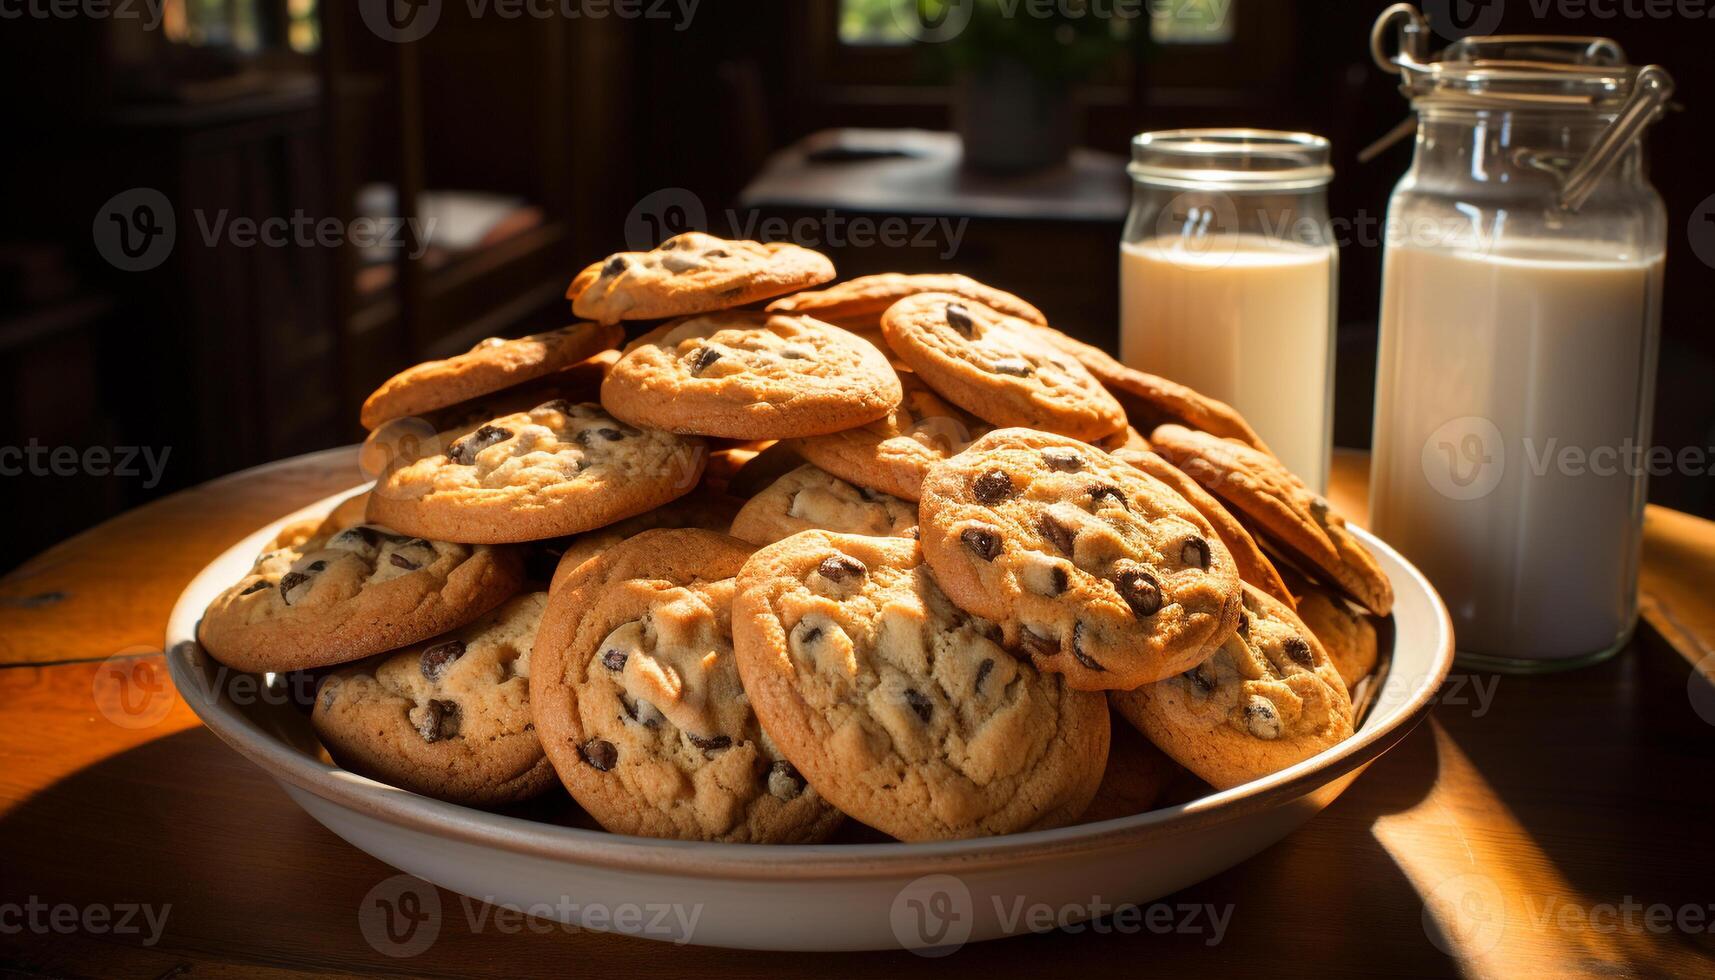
x,y
1227,272
1521,305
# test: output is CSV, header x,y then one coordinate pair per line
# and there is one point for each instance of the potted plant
x,y
1014,67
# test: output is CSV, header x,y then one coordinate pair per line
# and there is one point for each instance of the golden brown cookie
x,y
557,469
809,498
449,718
488,367
867,297
901,709
693,273
1254,566
1103,573
1269,698
750,376
639,705
1288,513
892,454
350,595
1347,634
995,367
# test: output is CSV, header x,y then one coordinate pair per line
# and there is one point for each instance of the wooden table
x,y
1548,825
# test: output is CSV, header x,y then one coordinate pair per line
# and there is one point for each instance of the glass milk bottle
x,y
1227,272
1521,306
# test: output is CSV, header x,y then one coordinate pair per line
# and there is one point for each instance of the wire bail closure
x,y
1504,81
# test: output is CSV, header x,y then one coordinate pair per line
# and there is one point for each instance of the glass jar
x,y
1521,309
1227,272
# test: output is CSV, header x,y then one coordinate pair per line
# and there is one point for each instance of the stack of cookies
x,y
894,550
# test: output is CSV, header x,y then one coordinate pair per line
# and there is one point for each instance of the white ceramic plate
x,y
931,896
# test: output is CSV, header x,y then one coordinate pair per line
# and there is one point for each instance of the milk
x,y
1245,319
1509,388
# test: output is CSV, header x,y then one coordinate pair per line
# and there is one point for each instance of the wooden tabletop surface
x,y
1551,825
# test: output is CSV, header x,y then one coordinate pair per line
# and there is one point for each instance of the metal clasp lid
x,y
1523,72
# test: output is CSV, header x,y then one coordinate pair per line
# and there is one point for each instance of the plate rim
x,y
770,862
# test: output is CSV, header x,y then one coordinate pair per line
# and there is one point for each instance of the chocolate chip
x,y
557,405
614,659
712,743
1103,492
669,245
588,436
1298,651
600,754
290,581
794,354
784,781
959,318
1199,680
464,450
316,567
810,635
439,720
356,535
400,561
702,357
992,487
255,587
1139,589
985,544
1016,367
1059,535
983,671
614,267
1037,644
838,568
1059,580
1078,650
716,253
1244,624
1261,718
920,704
642,712
434,660
1195,552
1063,460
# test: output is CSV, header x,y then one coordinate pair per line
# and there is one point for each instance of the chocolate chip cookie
x,y
449,718
1347,635
893,453
809,498
905,712
993,366
750,376
1288,514
1254,566
639,705
1150,400
350,595
488,367
1269,698
693,273
1103,573
867,297
557,469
